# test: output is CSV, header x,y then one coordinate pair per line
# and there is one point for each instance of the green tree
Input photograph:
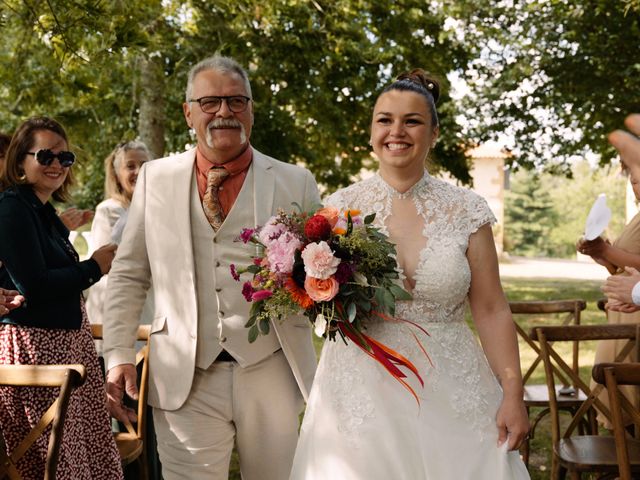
x,y
113,70
556,75
529,216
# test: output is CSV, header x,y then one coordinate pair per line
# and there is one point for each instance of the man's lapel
x,y
264,180
180,188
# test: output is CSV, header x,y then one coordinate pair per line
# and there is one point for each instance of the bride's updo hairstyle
x,y
421,82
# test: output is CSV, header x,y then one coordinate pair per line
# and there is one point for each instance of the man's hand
x,y
9,299
121,379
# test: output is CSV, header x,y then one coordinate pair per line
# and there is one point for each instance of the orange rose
x,y
320,290
330,213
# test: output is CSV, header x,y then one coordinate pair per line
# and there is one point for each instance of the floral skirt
x,y
88,450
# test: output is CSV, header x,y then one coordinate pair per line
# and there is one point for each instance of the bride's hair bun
x,y
423,79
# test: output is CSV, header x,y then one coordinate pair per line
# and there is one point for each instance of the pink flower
x,y
261,295
319,261
234,272
271,232
247,291
281,253
321,290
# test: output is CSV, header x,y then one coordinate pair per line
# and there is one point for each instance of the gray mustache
x,y
224,123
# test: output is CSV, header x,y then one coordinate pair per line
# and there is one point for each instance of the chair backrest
x,y
547,312
142,358
612,375
550,338
65,377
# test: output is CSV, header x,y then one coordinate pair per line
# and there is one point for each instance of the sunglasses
x,y
45,157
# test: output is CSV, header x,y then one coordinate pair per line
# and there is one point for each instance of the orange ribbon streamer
x,y
384,355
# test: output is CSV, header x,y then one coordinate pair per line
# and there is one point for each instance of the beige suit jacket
x,y
157,244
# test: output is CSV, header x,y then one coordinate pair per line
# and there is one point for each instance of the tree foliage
x,y
112,70
556,75
546,214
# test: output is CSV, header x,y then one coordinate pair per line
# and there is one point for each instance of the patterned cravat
x,y
210,201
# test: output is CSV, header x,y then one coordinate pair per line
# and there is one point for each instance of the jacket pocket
x,y
159,325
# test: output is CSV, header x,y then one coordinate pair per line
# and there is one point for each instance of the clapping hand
x,y
74,218
618,289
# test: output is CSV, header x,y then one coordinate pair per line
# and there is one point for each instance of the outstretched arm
x,y
492,317
628,144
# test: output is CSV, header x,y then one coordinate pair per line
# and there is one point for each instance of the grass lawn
x,y
536,289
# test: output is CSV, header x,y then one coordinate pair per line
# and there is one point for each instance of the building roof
x,y
489,150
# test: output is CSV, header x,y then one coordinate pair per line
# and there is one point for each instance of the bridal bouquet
x,y
335,267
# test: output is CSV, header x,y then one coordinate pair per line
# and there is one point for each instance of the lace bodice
x,y
448,216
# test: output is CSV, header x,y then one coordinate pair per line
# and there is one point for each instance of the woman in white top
x,y
121,172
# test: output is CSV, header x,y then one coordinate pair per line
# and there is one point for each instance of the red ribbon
x,y
384,355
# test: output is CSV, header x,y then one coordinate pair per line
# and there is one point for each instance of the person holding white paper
x,y
624,252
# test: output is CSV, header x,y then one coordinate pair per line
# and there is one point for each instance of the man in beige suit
x,y
209,387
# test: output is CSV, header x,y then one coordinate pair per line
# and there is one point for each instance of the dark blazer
x,y
39,261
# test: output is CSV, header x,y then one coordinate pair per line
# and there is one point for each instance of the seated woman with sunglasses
x,y
50,327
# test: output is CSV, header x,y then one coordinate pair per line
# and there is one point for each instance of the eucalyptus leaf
x,y
253,333
351,312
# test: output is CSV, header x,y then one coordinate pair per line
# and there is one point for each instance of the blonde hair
x,y
112,187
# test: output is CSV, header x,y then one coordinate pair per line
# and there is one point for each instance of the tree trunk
x,y
151,120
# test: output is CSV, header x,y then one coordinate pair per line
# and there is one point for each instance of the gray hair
x,y
218,63
123,148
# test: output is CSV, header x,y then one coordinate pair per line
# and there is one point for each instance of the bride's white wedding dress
x,y
360,423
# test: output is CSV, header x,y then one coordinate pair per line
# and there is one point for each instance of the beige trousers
x,y
257,406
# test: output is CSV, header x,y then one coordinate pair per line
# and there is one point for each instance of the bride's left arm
x,y
492,317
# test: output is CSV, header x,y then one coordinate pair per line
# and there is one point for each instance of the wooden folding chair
x,y
585,451
132,443
556,312
627,447
65,377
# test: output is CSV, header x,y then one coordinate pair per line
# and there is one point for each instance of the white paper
x,y
598,218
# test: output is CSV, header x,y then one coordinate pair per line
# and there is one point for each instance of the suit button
x,y
221,313
218,289
217,264
214,240
223,339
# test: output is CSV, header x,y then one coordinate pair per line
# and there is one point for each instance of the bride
x,y
360,423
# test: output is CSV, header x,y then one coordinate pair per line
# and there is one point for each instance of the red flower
x,y
234,272
317,228
247,291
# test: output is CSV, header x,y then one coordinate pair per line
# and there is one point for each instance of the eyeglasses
x,y
45,157
235,103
